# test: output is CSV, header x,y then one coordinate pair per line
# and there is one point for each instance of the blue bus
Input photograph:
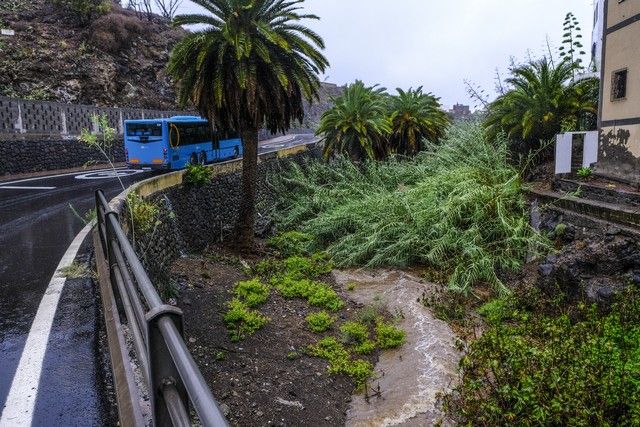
x,y
176,142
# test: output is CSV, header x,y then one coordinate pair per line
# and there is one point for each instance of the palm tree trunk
x,y
247,211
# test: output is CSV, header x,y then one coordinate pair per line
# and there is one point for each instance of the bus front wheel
x,y
236,152
203,158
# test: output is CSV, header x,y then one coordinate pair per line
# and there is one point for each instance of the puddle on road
x,y
409,377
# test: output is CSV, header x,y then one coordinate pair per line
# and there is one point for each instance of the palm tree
x,y
252,65
415,117
542,101
357,124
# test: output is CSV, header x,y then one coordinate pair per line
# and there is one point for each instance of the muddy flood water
x,y
411,377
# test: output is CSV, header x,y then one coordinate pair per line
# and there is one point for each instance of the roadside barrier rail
x,y
168,369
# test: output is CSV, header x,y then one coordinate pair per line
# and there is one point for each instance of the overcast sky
x,y
436,43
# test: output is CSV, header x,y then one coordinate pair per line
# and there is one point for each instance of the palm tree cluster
x,y
366,123
543,101
251,65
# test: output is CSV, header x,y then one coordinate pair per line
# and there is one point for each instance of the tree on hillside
x,y
357,125
415,116
253,65
543,101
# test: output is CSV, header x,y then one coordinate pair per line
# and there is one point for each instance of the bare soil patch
x,y
265,379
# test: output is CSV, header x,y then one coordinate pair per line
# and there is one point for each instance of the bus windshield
x,y
144,129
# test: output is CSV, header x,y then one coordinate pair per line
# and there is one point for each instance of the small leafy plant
x,y
388,336
584,172
197,175
241,321
251,292
291,243
340,361
144,214
320,322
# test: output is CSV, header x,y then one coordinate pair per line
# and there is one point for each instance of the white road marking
x,y
109,174
17,187
19,407
37,178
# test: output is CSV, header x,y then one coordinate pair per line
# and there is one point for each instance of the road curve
x,y
37,226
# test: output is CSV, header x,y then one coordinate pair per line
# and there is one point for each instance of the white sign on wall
x,y
7,32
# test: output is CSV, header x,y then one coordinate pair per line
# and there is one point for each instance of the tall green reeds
x,y
456,207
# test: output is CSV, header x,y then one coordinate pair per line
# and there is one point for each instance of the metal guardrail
x,y
168,369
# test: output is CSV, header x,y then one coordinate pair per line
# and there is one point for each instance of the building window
x,y
619,85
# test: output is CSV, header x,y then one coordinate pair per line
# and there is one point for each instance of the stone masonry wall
x,y
35,155
191,218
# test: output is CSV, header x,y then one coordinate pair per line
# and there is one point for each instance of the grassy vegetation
x,y
457,207
545,362
340,360
320,321
242,321
299,275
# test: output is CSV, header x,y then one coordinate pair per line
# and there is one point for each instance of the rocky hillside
x,y
117,59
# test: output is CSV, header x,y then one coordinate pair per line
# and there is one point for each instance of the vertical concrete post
x,y
120,123
18,124
63,121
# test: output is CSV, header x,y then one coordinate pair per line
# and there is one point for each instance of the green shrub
x,y
496,311
388,336
307,267
317,293
291,243
354,332
320,321
340,361
143,213
580,369
85,10
457,207
252,292
365,347
197,175
241,321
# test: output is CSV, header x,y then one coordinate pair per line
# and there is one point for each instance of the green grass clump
x,y
340,361
320,322
388,336
307,267
354,332
251,292
456,207
291,243
241,321
365,347
316,293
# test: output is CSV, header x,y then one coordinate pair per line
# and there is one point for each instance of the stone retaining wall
x,y
191,218
35,155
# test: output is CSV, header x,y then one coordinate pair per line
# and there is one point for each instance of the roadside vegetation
x,y
545,361
456,207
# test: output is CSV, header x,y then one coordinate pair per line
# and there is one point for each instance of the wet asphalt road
x,y
36,227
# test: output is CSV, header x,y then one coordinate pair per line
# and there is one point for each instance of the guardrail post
x,y
163,370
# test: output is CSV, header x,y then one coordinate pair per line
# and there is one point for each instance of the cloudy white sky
x,y
436,43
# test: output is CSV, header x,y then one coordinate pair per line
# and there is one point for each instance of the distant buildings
x,y
460,112
618,60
